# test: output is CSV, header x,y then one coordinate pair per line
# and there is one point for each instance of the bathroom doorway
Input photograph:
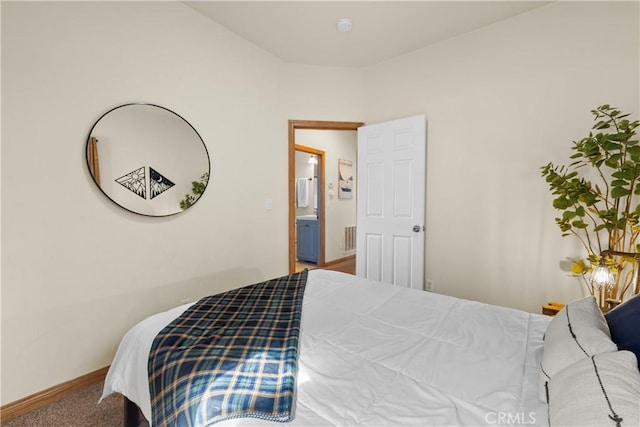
x,y
321,201
309,183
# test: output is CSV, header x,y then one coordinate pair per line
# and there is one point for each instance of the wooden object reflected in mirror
x,y
92,159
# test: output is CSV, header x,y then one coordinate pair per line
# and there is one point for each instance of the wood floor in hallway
x,y
345,265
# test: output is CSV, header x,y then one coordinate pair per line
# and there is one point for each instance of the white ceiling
x,y
305,32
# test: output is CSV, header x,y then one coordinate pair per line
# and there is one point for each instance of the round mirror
x,y
148,159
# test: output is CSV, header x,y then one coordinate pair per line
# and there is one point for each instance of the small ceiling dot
x,y
344,25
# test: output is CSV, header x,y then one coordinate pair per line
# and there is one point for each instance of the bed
x,y
372,354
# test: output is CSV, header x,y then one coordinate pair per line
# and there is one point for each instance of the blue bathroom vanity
x,y
308,238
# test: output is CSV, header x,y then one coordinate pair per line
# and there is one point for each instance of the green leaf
x,y
589,199
579,224
618,192
623,174
613,146
619,182
617,137
565,227
612,162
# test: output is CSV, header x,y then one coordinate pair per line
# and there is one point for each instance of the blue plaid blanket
x,y
230,355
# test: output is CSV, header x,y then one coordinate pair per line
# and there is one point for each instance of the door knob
x,y
416,228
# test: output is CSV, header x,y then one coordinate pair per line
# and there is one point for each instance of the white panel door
x,y
391,202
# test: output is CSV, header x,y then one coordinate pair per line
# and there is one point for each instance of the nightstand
x,y
552,308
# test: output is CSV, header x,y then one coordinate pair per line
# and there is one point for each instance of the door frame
x,y
314,125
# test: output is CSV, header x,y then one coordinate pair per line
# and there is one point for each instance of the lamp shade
x,y
602,276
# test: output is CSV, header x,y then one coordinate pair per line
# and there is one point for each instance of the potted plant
x,y
598,195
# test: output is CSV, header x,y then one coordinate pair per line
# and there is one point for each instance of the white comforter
x,y
374,354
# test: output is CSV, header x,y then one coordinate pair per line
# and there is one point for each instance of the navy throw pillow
x,y
624,324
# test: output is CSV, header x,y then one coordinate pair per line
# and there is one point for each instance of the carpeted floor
x,y
80,409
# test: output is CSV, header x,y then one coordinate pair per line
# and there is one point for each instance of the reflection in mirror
x,y
148,159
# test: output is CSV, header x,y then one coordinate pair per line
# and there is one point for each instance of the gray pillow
x,y
577,332
601,390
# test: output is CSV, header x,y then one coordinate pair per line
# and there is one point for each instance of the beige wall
x,y
322,93
78,271
501,102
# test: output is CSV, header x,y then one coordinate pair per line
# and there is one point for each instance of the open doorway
x,y
309,183
321,202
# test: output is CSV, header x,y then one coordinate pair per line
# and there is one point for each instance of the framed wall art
x,y
345,179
